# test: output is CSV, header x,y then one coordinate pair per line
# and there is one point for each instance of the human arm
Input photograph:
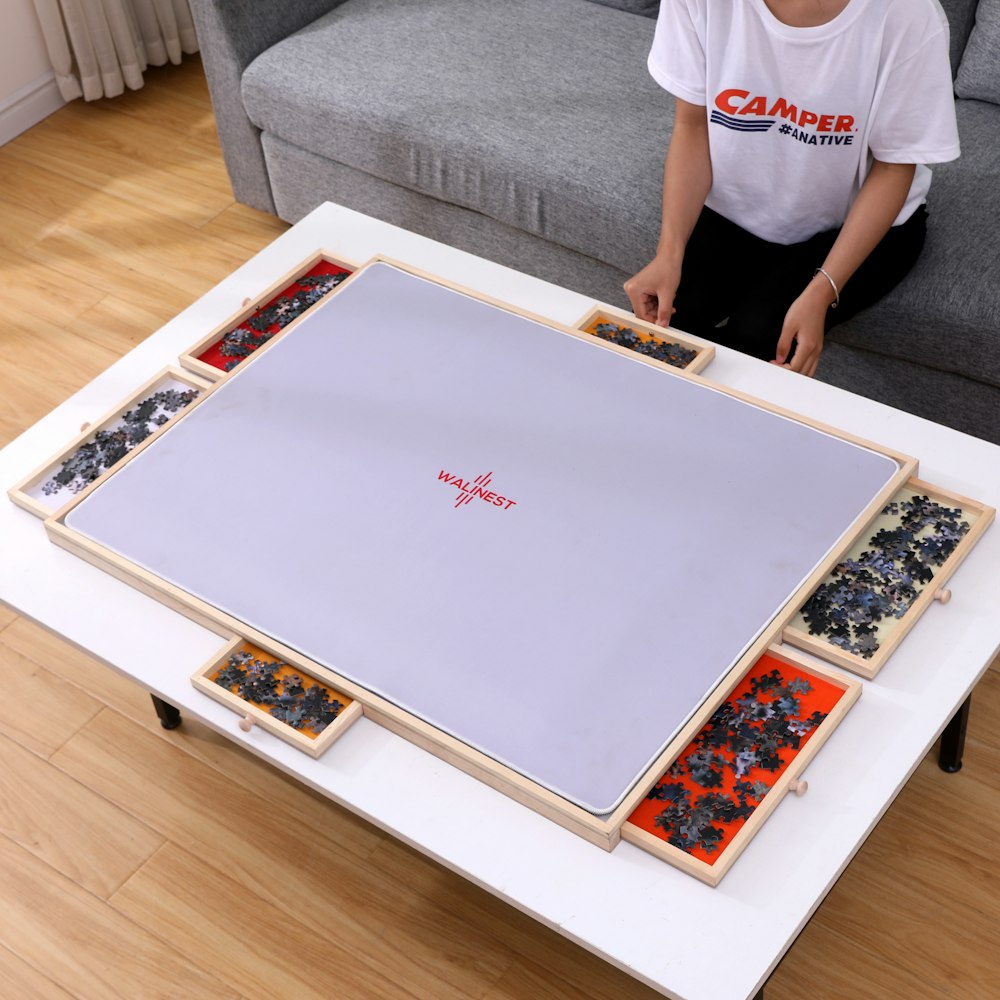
x,y
687,179
879,201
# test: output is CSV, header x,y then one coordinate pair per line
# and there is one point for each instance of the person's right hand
x,y
652,290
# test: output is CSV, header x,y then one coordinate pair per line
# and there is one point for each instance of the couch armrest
x,y
231,34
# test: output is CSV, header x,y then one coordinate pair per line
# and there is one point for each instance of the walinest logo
x,y
468,490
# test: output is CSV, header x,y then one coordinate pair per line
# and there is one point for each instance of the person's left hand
x,y
805,325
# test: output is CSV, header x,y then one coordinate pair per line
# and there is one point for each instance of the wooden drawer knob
x,y
799,786
246,723
84,426
943,594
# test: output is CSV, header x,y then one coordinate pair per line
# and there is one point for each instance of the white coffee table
x,y
633,910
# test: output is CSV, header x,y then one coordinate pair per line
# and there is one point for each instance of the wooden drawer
x,y
662,345
101,445
282,699
723,785
261,319
897,567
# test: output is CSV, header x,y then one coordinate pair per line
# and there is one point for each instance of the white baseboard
x,y
28,106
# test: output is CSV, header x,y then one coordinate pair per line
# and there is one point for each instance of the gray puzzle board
x,y
650,526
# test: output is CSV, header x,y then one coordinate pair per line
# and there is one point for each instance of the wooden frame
x,y
252,715
704,351
604,831
191,359
935,590
19,493
790,779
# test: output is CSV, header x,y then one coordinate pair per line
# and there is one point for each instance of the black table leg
x,y
170,717
953,739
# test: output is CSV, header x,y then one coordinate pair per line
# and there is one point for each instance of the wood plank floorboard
x,y
39,710
296,870
64,823
189,187
285,795
136,862
28,293
54,364
116,244
244,227
7,617
195,905
116,324
18,980
167,883
84,945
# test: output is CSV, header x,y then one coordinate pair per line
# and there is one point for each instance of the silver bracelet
x,y
833,285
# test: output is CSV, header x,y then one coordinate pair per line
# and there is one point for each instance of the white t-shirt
x,y
796,114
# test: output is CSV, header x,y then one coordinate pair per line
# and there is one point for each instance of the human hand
x,y
805,326
652,290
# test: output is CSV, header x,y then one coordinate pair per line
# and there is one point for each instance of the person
x,y
796,176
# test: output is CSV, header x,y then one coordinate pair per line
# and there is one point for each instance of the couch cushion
x,y
303,180
953,400
961,16
538,113
979,74
946,313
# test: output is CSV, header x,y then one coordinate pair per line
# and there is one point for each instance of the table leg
x,y
953,739
170,717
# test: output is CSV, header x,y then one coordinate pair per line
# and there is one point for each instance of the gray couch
x,y
529,132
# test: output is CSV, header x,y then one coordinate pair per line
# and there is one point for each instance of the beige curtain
x,y
100,47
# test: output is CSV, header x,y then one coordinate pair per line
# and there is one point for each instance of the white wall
x,y
28,90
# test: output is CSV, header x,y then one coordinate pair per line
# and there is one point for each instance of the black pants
x,y
730,274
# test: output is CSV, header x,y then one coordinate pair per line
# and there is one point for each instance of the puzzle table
x,y
560,878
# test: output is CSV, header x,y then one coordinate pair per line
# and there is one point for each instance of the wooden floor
x,y
139,863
